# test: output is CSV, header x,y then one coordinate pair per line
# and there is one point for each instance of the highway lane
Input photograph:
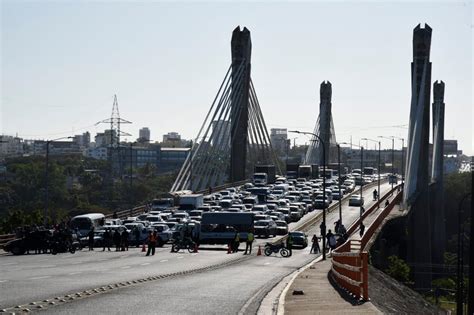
x,y
223,290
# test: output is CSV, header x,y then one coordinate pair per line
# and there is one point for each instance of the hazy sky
x,y
62,62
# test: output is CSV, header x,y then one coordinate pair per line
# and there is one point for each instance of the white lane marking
x,y
76,263
179,257
267,263
1,281
47,266
74,273
42,277
194,254
164,260
144,264
125,267
9,264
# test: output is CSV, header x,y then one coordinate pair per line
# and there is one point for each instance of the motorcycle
x,y
59,245
179,244
275,248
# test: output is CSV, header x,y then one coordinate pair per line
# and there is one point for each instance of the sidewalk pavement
x,y
320,297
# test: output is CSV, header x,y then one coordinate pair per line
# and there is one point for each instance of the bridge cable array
x,y
208,162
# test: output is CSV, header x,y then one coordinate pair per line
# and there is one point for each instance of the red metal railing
x,y
350,266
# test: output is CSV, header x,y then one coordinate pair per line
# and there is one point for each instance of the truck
x,y
314,171
162,203
264,174
191,201
305,171
292,171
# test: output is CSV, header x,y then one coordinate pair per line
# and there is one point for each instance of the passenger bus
x,y
370,171
85,222
220,227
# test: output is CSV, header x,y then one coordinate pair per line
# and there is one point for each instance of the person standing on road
x,y
315,249
136,233
117,239
236,242
106,240
387,203
289,244
125,240
375,194
248,245
91,239
337,225
151,243
331,240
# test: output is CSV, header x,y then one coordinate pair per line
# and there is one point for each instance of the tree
x,y
398,269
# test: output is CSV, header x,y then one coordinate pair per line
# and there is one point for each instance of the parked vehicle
x,y
282,227
85,222
191,202
265,228
300,239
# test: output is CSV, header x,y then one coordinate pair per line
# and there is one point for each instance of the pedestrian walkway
x,y
320,297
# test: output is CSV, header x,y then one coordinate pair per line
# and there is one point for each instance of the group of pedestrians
x,y
235,243
110,238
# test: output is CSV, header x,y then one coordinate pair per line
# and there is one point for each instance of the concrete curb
x,y
274,300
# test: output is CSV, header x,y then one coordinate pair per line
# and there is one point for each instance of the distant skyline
x,y
62,62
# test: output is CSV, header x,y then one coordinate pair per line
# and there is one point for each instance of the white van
x,y
85,222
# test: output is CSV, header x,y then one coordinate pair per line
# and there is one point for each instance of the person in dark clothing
x,y
136,232
322,227
151,243
107,238
117,239
337,225
315,249
387,203
362,229
289,244
125,240
331,240
375,193
91,239
236,242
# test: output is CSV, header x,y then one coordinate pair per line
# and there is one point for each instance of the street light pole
x,y
393,155
403,159
323,227
361,178
339,171
460,262
378,171
46,179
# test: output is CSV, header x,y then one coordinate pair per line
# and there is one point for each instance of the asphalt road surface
x,y
238,285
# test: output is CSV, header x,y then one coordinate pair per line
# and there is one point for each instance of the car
x,y
260,216
265,228
320,202
336,195
282,227
154,218
163,231
261,208
295,215
300,239
356,200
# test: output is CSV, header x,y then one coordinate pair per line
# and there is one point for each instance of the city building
x,y
83,141
279,139
144,135
98,153
105,138
11,146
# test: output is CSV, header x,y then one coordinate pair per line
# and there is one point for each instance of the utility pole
x,y
131,175
378,171
339,171
460,259
323,225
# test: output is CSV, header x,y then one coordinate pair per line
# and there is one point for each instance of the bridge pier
x,y
241,45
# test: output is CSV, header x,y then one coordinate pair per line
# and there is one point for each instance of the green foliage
x,y
75,185
398,269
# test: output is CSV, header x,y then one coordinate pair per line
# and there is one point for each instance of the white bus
x,y
85,222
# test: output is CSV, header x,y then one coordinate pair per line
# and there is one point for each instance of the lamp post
x,y
378,171
361,178
323,228
403,159
339,181
460,262
46,178
393,156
